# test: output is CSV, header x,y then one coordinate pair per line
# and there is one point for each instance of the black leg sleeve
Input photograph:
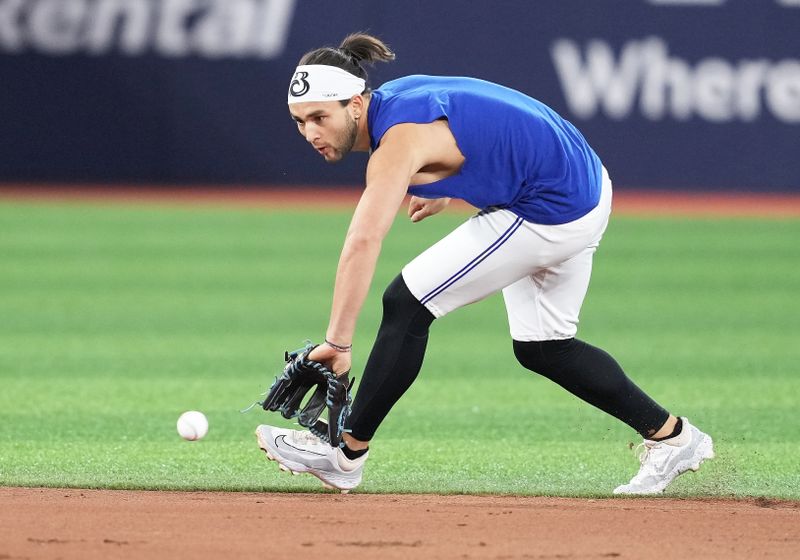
x,y
394,362
594,376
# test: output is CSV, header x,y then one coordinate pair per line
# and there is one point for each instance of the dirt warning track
x,y
629,202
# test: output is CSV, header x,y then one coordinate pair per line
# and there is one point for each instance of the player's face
x,y
328,126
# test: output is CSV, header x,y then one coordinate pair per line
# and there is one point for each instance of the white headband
x,y
319,82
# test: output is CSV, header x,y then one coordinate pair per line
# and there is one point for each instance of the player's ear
x,y
356,106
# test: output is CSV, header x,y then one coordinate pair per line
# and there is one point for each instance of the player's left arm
x,y
420,208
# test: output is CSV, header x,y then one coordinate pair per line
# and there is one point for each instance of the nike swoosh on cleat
x,y
283,439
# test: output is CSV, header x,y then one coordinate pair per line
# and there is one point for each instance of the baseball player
x,y
545,200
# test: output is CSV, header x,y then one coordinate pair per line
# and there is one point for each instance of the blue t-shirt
x,y
519,154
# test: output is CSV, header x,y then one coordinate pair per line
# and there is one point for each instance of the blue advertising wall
x,y
685,94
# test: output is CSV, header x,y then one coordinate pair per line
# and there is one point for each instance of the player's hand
x,y
336,361
421,208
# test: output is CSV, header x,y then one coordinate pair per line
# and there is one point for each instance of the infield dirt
x,y
90,524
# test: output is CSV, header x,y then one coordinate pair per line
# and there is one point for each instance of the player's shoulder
x,y
426,79
407,83
440,87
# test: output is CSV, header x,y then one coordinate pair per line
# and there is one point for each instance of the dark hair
x,y
356,48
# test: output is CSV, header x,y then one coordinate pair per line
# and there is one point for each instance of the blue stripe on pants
x,y
474,262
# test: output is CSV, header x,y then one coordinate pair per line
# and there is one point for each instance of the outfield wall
x,y
684,94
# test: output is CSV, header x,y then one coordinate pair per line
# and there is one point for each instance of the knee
x,y
401,307
397,296
543,356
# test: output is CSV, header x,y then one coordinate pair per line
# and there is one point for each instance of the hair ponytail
x,y
355,50
366,48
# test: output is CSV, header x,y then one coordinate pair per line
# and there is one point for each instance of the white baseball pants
x,y
543,270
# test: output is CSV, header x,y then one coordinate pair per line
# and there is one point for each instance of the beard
x,y
344,141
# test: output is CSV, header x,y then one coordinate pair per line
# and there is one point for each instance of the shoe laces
x,y
650,455
303,437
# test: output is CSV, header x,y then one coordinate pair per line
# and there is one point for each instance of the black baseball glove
x,y
301,375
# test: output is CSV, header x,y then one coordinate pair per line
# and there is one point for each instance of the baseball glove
x,y
301,375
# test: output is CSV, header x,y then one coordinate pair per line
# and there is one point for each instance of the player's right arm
x,y
404,150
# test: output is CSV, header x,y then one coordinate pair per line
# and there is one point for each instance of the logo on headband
x,y
299,85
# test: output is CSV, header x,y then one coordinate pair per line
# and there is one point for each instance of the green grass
x,y
115,319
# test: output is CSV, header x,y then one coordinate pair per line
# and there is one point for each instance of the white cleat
x,y
663,461
299,451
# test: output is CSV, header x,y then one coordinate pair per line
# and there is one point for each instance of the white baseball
x,y
192,425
